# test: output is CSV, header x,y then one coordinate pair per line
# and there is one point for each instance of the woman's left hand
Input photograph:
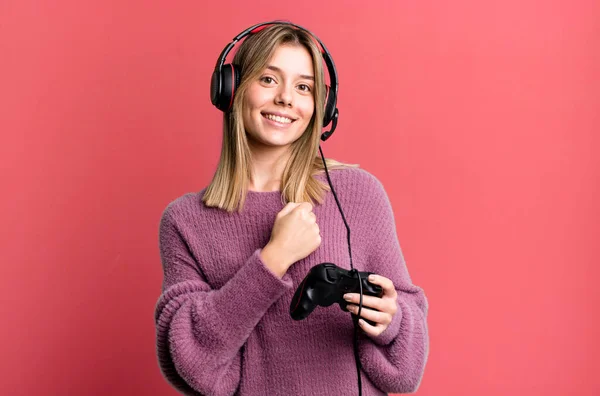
x,y
380,310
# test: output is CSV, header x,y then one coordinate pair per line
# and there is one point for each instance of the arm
x,y
200,331
395,359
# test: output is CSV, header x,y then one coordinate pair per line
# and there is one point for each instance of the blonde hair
x,y
230,182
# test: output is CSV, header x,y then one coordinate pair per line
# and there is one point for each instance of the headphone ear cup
x,y
215,87
330,103
229,79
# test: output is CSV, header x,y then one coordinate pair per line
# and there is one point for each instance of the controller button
x,y
331,274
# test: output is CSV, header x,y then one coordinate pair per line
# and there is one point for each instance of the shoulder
x,y
185,206
357,181
362,193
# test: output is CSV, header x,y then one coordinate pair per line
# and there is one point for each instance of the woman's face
x,y
279,105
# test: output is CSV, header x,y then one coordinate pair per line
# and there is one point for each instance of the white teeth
x,y
282,120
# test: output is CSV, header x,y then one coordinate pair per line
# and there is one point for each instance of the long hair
x,y
230,182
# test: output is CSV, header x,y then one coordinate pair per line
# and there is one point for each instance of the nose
x,y
284,95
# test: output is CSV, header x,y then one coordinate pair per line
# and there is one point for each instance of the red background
x,y
480,118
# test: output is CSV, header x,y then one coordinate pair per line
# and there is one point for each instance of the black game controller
x,y
326,284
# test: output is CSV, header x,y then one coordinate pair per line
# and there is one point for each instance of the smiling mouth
x,y
276,118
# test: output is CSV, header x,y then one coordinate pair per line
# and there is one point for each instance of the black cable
x,y
339,206
357,316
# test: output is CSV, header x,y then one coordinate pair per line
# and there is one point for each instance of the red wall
x,y
480,119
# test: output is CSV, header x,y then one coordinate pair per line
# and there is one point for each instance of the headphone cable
x,y
357,316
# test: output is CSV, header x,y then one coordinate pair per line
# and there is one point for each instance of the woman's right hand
x,y
295,235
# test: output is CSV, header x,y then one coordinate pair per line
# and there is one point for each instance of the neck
x,y
267,169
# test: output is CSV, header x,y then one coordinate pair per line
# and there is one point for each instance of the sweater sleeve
x,y
395,360
200,332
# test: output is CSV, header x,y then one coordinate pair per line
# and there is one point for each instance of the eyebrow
x,y
275,68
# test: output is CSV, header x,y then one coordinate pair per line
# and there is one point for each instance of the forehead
x,y
292,59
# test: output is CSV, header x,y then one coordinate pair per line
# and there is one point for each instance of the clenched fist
x,y
295,235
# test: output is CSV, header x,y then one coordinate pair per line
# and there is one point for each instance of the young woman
x,y
234,253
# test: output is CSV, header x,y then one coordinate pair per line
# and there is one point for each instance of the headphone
x,y
226,78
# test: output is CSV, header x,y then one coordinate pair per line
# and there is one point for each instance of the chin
x,y
278,143
280,140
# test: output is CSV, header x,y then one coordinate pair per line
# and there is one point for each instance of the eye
x,y
304,87
267,79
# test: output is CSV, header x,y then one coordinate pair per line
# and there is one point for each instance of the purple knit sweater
x,y
222,322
